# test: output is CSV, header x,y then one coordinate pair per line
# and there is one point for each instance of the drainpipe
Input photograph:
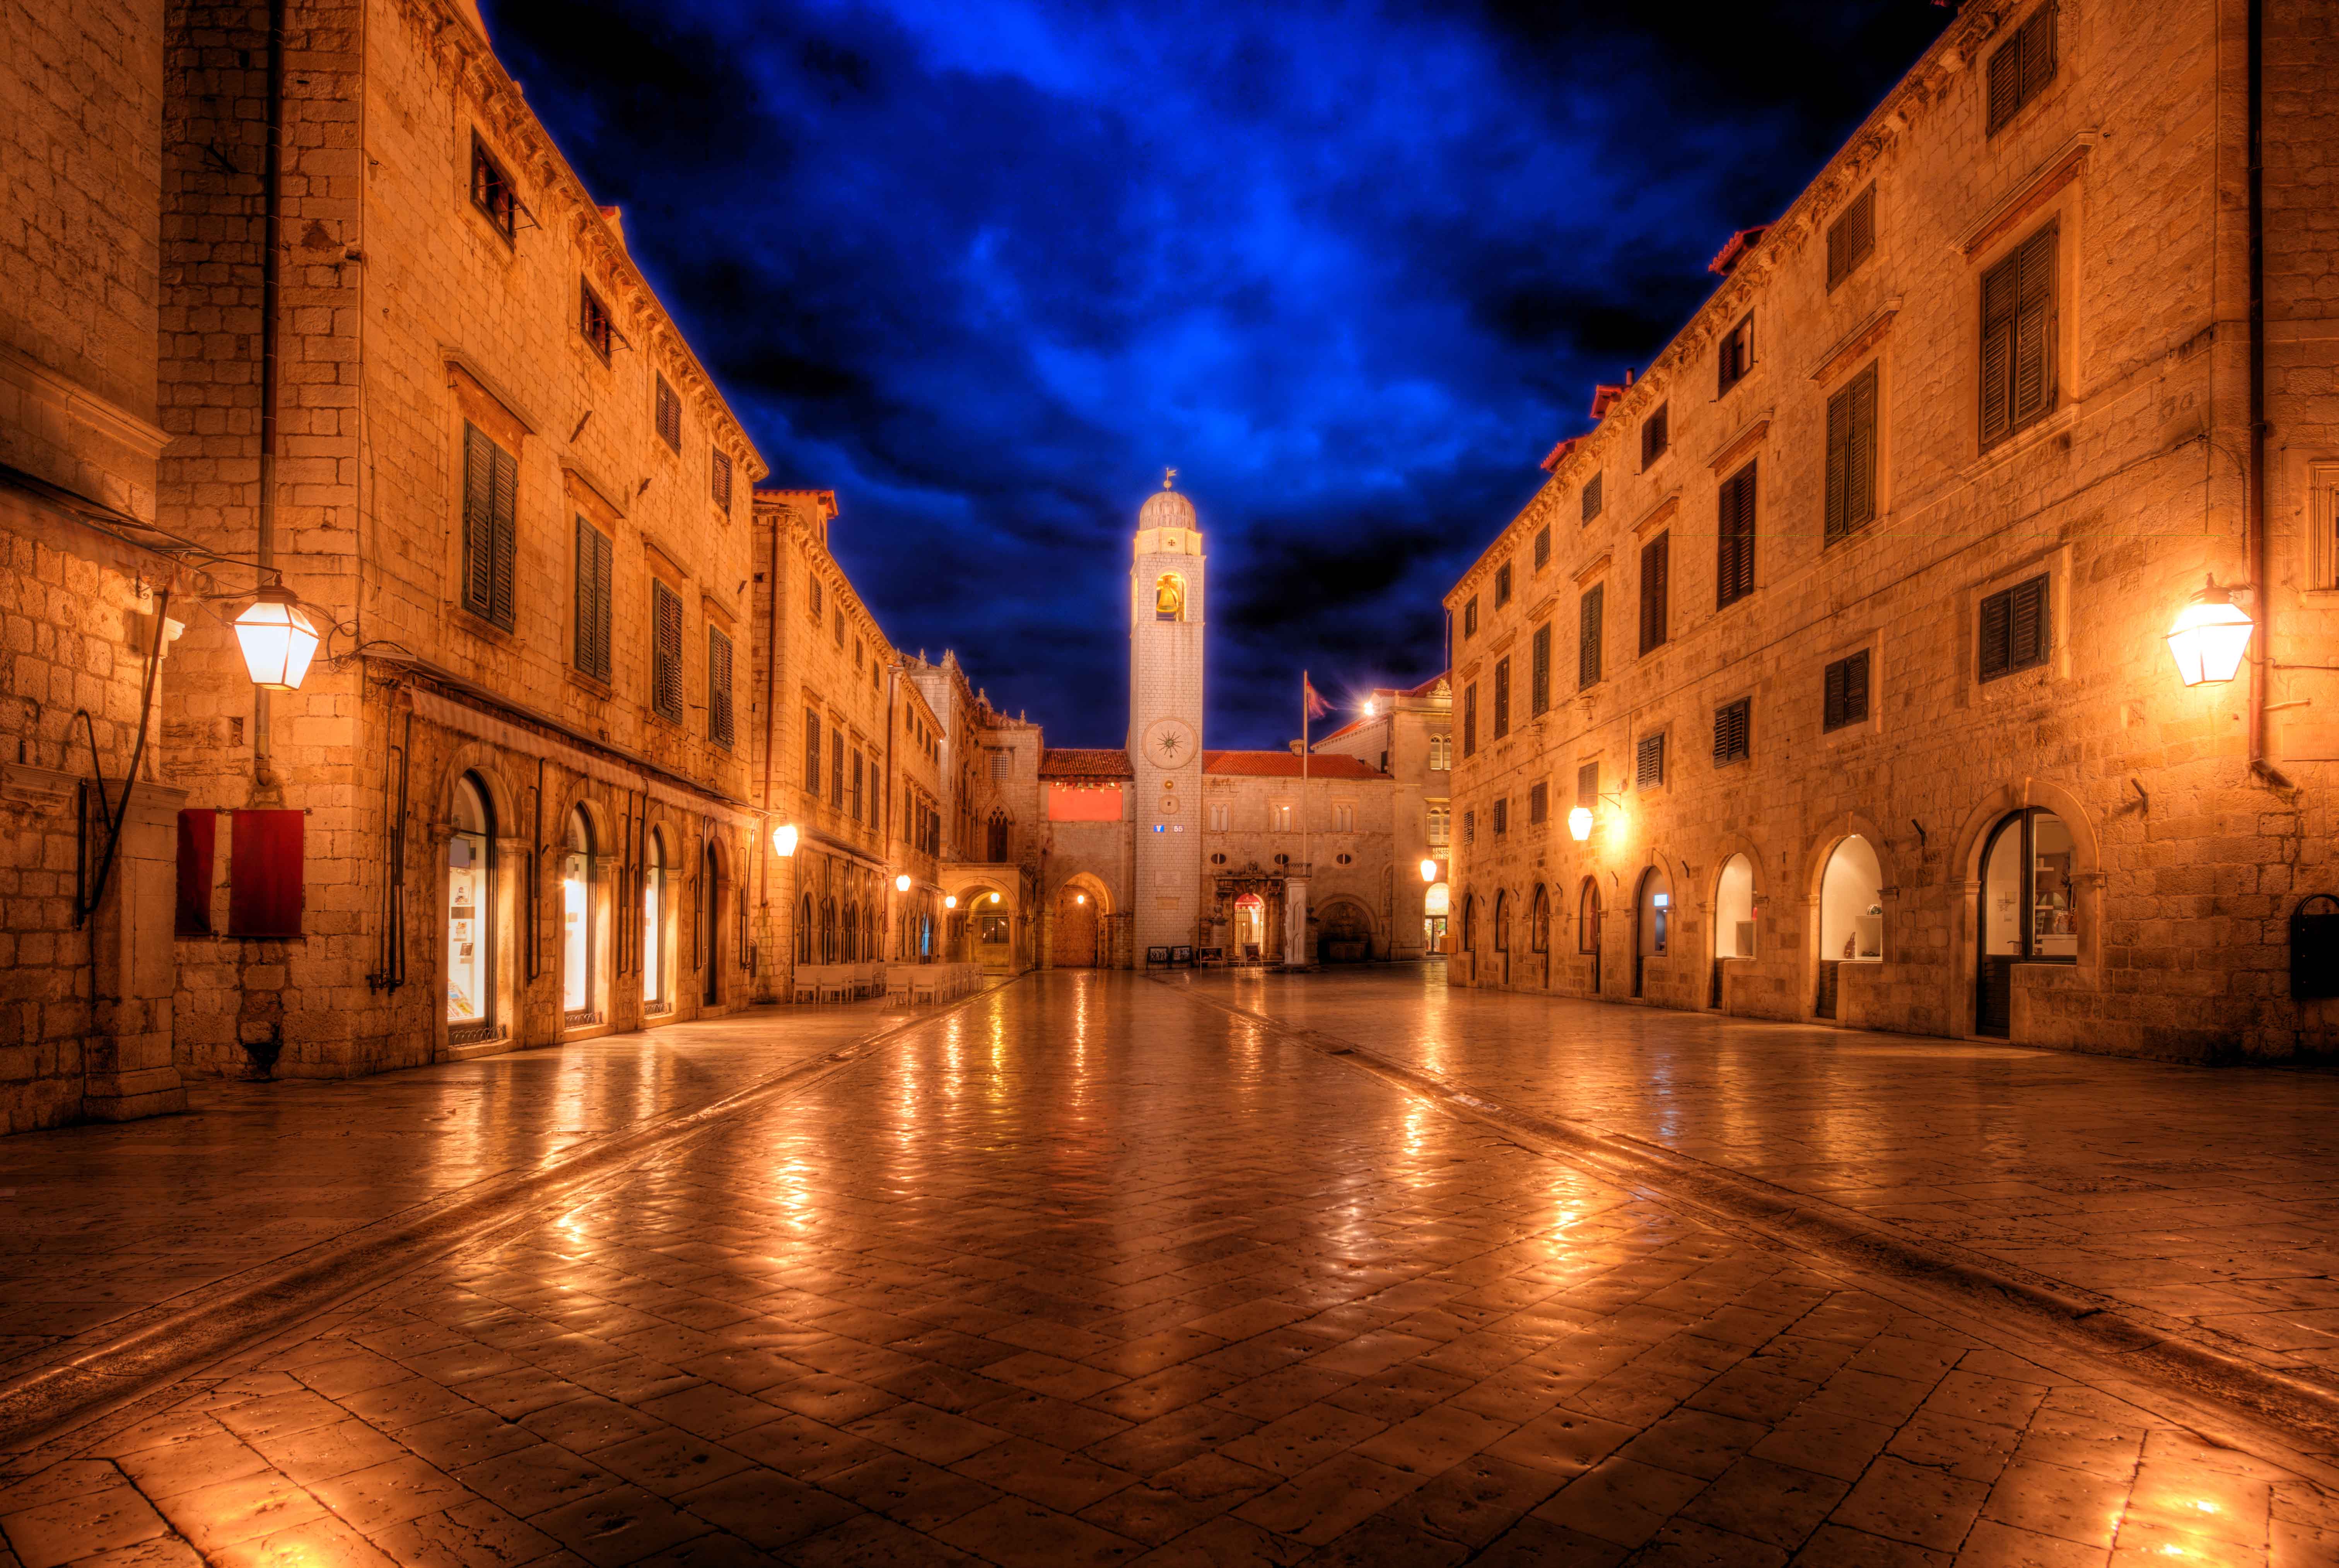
x,y
264,772
2254,486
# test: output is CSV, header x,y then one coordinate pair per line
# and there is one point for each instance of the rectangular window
x,y
1654,439
1217,819
1502,585
1539,673
1441,753
2018,338
1279,817
1730,732
595,604
1846,691
719,481
1441,825
490,539
1735,356
1656,570
812,752
859,653
1502,698
857,795
2021,67
492,192
1587,785
1587,635
1543,546
1470,720
814,600
718,688
1733,577
1502,822
1851,457
1470,616
593,320
1538,803
837,624
2015,634
836,767
1649,762
1343,819
266,883
1851,237
665,652
1592,498
1469,827
669,415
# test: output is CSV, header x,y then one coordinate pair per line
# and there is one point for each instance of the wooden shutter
x,y
1543,546
2027,638
836,767
1502,698
812,751
1539,672
669,415
2032,388
1851,457
1831,700
595,604
1470,719
1730,726
479,520
665,652
1587,635
1652,436
1592,498
1734,563
2021,67
505,563
722,480
1855,687
1649,762
1587,785
1656,566
1851,237
718,688
1996,618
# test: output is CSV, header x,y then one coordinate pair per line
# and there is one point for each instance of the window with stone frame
x,y
859,796
1656,573
2020,68
1844,692
2015,634
595,604
1850,503
492,192
836,767
1470,616
1588,615
1733,577
1502,697
1469,827
1649,761
1538,802
1851,237
812,752
1501,821
593,321
1440,824
1539,673
719,479
1734,355
1731,727
665,653
1543,546
815,598
1502,585
718,688
1655,435
1441,753
1344,818
490,529
1587,785
1470,720
669,413
2018,338
1592,500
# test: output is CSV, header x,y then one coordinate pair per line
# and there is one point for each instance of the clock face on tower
x,y
1170,744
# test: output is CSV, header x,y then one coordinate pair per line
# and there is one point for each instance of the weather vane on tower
x,y
1167,477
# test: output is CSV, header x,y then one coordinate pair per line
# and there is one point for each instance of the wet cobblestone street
x,y
1084,1270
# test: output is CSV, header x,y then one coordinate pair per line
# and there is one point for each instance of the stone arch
x,y
1963,869
1077,930
486,762
1341,913
1831,835
475,914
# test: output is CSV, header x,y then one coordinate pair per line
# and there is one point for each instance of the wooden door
x,y
1075,943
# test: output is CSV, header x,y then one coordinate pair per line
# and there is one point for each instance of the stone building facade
x,y
1845,625
1408,733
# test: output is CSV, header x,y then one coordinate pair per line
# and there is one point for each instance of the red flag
x,y
1316,706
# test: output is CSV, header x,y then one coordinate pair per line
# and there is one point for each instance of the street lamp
x,y
1429,871
950,900
783,840
279,639
902,883
1579,823
1079,898
2208,638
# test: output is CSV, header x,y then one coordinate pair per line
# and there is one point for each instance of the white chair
x,y
804,984
837,982
926,983
897,983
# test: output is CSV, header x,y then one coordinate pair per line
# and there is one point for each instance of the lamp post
x,y
2209,636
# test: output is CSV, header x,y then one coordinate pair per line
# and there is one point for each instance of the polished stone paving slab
x,y
1087,1272
2209,1196
98,1222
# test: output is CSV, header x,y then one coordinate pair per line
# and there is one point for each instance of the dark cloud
x,y
984,267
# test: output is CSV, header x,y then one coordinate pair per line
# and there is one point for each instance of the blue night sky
x,y
984,267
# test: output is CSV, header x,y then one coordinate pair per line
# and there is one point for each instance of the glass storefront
x,y
471,909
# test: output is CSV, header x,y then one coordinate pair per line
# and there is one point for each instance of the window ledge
x,y
598,688
479,626
2057,423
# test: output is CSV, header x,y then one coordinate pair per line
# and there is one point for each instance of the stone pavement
x,y
2204,1196
1086,1272
97,1222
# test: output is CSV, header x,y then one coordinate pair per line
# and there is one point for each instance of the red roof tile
x,y
1726,261
1085,763
1286,764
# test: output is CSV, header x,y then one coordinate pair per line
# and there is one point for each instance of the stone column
x,y
127,1069
1295,923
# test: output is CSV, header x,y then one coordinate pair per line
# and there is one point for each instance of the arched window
x,y
471,916
710,924
2029,909
1469,923
654,926
1734,908
852,933
828,953
580,929
1169,597
1539,920
1503,921
1587,916
804,930
998,834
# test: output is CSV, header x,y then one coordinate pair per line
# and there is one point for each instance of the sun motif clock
x,y
1170,744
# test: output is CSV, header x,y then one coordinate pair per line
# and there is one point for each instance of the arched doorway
x,y
1852,915
710,925
1344,933
1470,937
1653,914
655,927
580,923
990,930
1539,933
1250,928
1503,936
1588,914
1074,942
471,916
1733,916
805,918
2029,912
1435,906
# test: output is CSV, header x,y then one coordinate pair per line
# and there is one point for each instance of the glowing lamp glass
x,y
2208,638
902,883
278,639
950,900
783,840
1579,823
1429,871
1079,898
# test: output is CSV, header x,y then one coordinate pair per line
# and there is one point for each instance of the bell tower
x,y
1167,598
